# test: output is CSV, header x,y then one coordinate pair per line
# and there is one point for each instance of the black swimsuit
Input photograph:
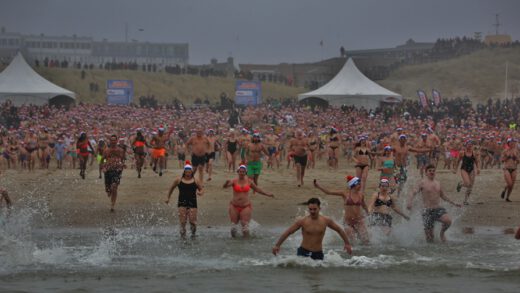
x,y
232,147
468,163
379,202
187,195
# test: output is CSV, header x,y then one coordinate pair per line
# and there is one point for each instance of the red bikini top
x,y
238,188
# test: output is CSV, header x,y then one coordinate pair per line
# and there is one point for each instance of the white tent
x,y
351,87
20,84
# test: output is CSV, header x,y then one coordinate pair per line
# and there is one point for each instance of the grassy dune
x,y
479,76
164,86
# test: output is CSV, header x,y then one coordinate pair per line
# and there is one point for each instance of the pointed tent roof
x,y
21,84
350,86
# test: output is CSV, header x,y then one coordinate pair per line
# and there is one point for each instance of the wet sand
x,y
69,201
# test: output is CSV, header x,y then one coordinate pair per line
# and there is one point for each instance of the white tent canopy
x,y
20,84
351,87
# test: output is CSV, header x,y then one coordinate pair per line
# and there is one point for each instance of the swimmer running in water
x,y
354,203
313,230
189,188
240,208
432,194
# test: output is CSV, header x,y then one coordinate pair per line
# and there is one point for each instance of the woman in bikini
x,y
334,143
510,158
380,205
469,168
240,208
189,188
354,203
361,159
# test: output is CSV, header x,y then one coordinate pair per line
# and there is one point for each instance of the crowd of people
x,y
376,143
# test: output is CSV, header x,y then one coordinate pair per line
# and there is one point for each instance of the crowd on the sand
x,y
110,139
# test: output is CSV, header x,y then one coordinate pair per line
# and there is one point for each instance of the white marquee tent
x,y
351,87
20,84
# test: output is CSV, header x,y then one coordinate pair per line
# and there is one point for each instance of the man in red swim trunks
x,y
158,143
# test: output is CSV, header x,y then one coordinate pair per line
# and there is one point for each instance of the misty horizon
x,y
267,32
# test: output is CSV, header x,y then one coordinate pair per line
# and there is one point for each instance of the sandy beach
x,y
69,201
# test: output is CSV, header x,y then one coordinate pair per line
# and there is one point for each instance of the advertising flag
x,y
423,98
436,97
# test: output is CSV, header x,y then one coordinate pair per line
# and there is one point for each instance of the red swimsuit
x,y
239,188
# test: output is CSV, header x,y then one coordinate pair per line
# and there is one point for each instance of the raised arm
x,y
326,191
293,228
331,224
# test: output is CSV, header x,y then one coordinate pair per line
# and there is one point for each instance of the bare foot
x,y
443,237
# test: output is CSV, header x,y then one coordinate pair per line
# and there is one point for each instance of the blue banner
x,y
120,92
248,92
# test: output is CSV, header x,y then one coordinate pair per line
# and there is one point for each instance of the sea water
x,y
156,259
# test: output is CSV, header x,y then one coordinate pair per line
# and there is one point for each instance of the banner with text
x,y
248,92
120,92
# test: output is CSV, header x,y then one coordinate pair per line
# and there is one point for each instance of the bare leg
x,y
446,223
182,221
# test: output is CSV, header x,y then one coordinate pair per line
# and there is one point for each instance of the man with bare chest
x,y
271,142
299,146
254,151
210,155
114,158
199,146
158,144
422,148
313,230
432,194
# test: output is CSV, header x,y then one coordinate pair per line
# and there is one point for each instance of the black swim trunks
x,y
112,177
302,160
430,216
198,160
210,156
316,255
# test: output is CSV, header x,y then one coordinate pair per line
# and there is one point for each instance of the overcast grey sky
x,y
267,31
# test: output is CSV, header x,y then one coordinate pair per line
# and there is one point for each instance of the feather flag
x,y
436,97
423,98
